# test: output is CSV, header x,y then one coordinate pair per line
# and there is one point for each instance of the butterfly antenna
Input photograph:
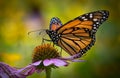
x,y
41,30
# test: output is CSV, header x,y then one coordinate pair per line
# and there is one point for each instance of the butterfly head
x,y
55,23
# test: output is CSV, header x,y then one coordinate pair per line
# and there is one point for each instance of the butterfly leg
x,y
53,45
61,51
43,40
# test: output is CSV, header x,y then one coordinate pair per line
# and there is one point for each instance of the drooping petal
x,y
56,62
77,60
71,59
7,71
36,63
39,70
59,62
28,70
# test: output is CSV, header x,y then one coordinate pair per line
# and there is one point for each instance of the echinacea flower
x,y
45,57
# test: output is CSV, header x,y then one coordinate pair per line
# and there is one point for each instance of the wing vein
x,y
71,27
69,46
73,41
63,45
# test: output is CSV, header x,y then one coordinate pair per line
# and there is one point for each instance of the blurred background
x,y
18,17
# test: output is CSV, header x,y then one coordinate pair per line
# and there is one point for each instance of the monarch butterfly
x,y
78,35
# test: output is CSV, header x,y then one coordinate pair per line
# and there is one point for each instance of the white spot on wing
x,y
94,24
85,19
95,19
94,27
97,23
91,15
104,17
102,20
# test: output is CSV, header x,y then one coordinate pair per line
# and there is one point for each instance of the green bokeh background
x,y
18,17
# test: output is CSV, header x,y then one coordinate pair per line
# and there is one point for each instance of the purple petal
x,y
28,70
36,63
8,72
72,59
59,62
5,71
47,62
56,62
39,70
4,75
76,60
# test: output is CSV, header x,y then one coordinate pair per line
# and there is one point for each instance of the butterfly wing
x,y
78,35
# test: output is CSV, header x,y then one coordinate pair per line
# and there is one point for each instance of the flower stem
x,y
48,72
